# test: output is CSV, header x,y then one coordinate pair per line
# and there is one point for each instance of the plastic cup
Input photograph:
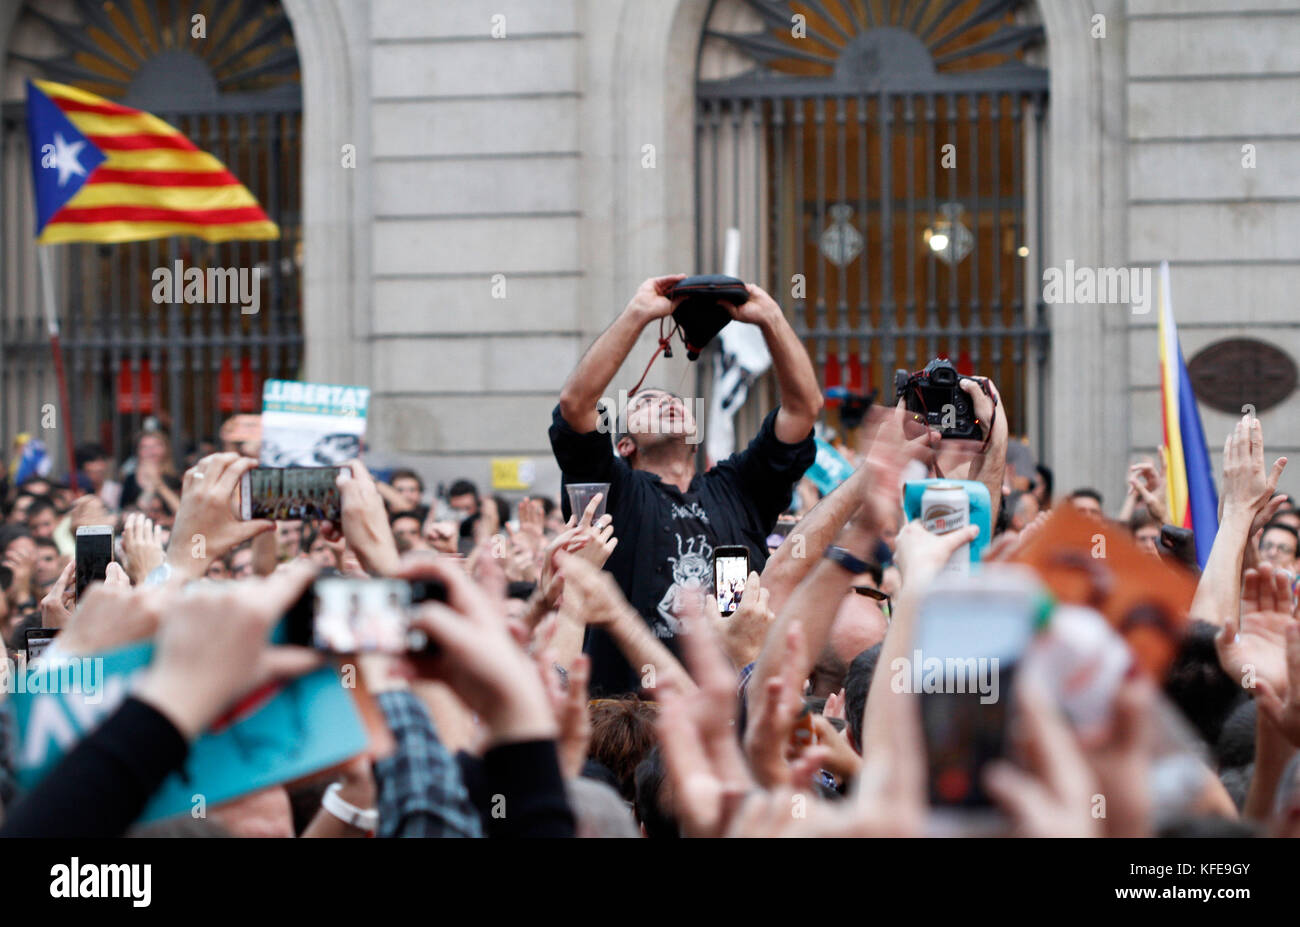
x,y
580,495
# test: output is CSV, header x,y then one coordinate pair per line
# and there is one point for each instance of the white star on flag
x,y
66,160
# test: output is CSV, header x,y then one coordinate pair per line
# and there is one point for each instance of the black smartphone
x,y
37,639
290,493
730,571
344,615
94,554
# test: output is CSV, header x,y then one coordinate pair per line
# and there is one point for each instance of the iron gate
x,y
884,169
236,95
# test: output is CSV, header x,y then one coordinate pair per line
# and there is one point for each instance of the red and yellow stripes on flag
x,y
1175,463
155,183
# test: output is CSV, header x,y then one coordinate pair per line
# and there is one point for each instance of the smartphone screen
x,y
730,571
291,493
343,615
37,640
94,554
970,639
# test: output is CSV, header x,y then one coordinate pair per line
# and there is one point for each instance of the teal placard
x,y
290,731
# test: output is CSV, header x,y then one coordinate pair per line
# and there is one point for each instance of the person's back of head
x,y
1236,744
17,639
622,735
1197,684
1236,782
857,683
598,811
462,488
654,798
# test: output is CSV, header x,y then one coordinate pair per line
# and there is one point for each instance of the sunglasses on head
x,y
871,592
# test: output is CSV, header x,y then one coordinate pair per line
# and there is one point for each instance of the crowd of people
x,y
582,680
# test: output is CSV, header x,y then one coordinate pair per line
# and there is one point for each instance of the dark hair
x,y
18,636
1045,473
405,473
409,513
520,589
1197,684
1086,493
304,802
548,504
650,778
47,542
1236,782
11,533
40,504
620,426
462,488
1209,826
1281,526
1140,519
622,734
503,510
857,683
89,451
1236,743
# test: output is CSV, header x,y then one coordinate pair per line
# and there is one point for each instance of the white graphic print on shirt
x,y
692,576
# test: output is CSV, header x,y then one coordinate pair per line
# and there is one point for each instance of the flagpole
x,y
56,347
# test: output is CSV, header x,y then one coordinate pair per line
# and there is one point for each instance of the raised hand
x,y
743,632
1247,484
142,543
1052,795
697,733
212,644
111,614
206,526
1253,650
651,300
1283,708
774,711
920,554
364,521
57,606
479,658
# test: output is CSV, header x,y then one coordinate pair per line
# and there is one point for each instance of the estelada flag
x,y
105,172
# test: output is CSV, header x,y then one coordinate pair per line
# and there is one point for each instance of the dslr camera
x,y
936,394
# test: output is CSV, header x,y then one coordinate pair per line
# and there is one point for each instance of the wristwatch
x,y
845,559
347,812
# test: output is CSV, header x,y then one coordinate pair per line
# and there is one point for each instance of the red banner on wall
x,y
135,390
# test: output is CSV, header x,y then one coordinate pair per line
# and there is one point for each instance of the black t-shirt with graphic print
x,y
666,537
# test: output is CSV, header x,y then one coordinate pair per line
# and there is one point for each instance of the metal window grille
x,y
830,155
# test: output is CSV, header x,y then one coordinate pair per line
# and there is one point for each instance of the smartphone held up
x,y
290,493
343,615
94,552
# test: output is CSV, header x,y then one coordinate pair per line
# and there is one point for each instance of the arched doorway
x,y
882,161
235,91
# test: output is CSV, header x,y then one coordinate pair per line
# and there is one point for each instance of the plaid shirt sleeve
x,y
421,793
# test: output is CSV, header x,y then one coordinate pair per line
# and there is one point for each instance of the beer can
x,y
946,507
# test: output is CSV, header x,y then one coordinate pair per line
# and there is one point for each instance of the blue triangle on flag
x,y
62,157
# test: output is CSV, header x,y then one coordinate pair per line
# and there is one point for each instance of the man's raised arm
x,y
801,398
598,366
